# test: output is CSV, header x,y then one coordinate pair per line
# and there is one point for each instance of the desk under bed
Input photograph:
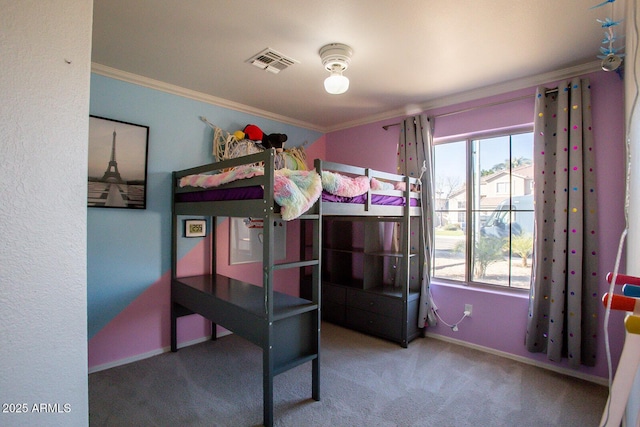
x,y
285,327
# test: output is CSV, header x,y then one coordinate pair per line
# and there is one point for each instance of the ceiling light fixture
x,y
336,58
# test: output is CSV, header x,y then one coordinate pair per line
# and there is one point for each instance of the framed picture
x,y
117,164
245,240
195,228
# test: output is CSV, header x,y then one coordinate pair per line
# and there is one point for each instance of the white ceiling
x,y
405,52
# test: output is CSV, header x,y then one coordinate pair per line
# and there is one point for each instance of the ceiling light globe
x,y
336,84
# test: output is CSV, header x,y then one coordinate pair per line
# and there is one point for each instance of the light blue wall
x,y
128,250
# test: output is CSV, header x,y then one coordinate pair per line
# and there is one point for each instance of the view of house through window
x,y
484,210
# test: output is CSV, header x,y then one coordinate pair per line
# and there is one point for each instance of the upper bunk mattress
x,y
376,199
256,192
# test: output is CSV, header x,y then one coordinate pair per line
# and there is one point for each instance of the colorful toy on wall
x,y
611,58
629,363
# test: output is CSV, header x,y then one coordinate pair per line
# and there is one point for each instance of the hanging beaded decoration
x,y
611,59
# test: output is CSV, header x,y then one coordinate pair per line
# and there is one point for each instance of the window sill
x,y
494,290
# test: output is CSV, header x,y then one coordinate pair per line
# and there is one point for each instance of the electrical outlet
x,y
468,308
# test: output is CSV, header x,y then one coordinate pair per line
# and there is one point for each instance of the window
x,y
484,210
502,187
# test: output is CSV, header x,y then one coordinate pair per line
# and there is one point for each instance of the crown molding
x,y
472,95
513,85
125,76
480,93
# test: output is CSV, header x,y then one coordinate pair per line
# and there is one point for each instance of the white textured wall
x,y
45,52
632,78
632,97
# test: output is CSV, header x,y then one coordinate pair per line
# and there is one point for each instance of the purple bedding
x,y
376,199
215,195
255,192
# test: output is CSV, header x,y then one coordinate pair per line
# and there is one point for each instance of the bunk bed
x,y
369,284
286,328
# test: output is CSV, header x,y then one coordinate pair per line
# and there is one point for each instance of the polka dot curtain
x,y
564,284
415,150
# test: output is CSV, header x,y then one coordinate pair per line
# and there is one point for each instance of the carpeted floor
x,y
365,381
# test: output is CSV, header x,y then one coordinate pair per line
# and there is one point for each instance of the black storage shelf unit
x,y
366,286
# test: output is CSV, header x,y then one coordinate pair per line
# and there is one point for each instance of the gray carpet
x,y
365,381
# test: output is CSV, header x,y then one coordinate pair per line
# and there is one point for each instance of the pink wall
x,y
365,146
317,150
499,318
144,325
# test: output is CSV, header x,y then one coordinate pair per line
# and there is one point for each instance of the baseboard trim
x,y
152,353
569,372
580,375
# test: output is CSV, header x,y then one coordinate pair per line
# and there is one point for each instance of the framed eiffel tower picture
x,y
117,164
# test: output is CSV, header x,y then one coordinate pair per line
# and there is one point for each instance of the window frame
x,y
468,139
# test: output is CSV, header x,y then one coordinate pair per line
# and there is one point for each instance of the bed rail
x,y
409,193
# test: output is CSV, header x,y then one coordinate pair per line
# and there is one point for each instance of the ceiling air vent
x,y
271,60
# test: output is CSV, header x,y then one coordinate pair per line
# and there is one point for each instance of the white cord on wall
x,y
453,327
434,310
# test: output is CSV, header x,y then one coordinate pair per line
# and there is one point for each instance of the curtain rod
x,y
477,107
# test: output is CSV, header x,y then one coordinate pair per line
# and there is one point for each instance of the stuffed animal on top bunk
x,y
252,140
254,133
